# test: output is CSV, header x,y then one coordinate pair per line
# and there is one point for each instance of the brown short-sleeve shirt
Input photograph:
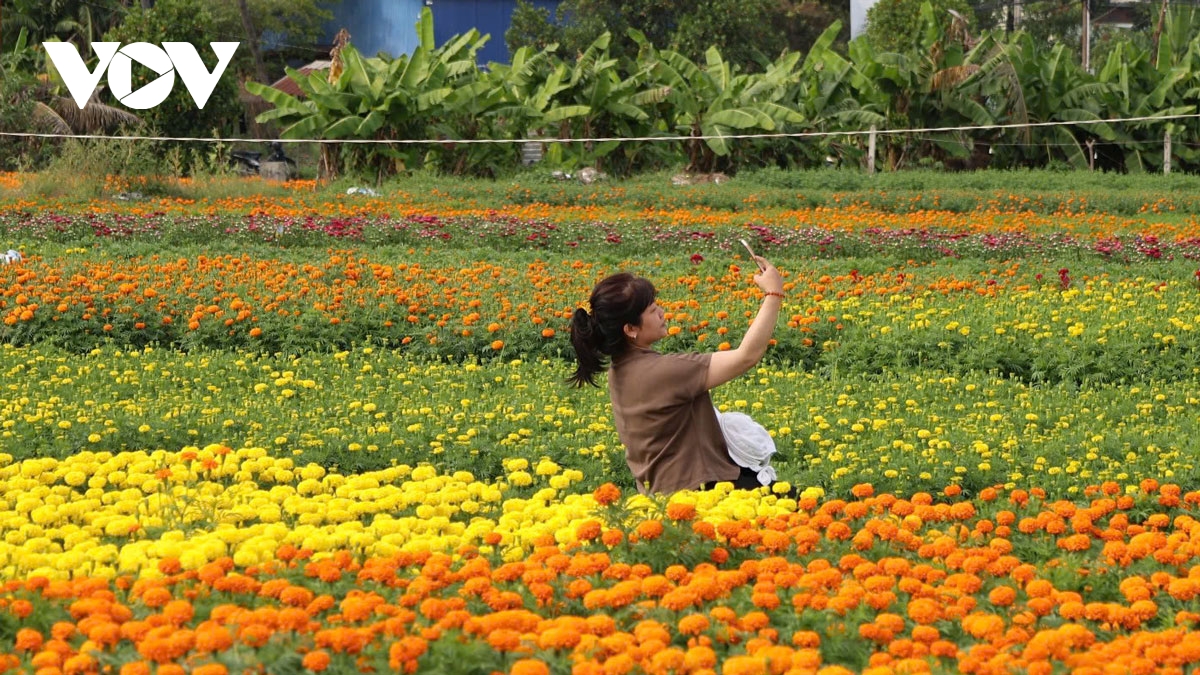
x,y
664,417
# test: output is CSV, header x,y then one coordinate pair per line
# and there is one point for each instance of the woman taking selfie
x,y
661,406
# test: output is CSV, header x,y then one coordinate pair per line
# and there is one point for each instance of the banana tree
x,y
713,102
533,83
378,99
1054,87
1143,84
508,101
592,98
926,88
826,94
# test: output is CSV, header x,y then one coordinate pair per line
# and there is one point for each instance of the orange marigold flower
x,y
693,624
156,597
1075,542
755,621
316,660
1002,596
925,634
744,665
862,490
650,529
1070,610
606,494
588,530
806,639
698,658
681,511
213,638
982,626
504,640
135,668
612,537
178,612
28,640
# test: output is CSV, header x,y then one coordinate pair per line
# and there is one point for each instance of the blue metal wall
x,y
390,25
377,25
455,17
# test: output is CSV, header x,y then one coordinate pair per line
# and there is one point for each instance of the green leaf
x,y
343,128
560,113
370,124
416,70
627,110
780,113
719,145
425,29
277,98
309,127
343,102
432,98
741,118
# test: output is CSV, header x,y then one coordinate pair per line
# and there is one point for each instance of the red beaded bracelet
x,y
778,295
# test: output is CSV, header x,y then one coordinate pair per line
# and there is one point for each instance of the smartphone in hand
x,y
753,256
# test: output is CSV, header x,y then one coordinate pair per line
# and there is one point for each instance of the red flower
x,y
697,258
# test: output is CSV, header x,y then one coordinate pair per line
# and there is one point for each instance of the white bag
x,y
750,444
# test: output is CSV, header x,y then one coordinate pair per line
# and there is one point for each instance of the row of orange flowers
x,y
880,584
1006,214
225,295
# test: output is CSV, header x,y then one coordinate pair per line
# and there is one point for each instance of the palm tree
x,y
58,114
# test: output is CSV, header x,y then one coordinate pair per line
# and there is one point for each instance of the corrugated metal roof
x,y
289,86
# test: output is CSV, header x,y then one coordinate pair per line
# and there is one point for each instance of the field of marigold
x,y
294,435
614,584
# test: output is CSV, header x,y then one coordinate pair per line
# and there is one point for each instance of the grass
x,y
104,169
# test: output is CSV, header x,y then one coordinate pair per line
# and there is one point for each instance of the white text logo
x,y
172,57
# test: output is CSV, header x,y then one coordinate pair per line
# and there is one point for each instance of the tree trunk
x,y
1162,16
147,4
260,71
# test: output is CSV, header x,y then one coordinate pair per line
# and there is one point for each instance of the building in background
x,y
858,16
389,25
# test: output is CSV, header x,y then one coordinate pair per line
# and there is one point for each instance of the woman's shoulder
x,y
652,355
648,362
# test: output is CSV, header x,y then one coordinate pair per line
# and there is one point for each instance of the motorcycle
x,y
248,163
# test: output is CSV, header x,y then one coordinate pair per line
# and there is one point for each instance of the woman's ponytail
x,y
586,340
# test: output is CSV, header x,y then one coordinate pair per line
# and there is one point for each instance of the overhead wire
x,y
661,138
